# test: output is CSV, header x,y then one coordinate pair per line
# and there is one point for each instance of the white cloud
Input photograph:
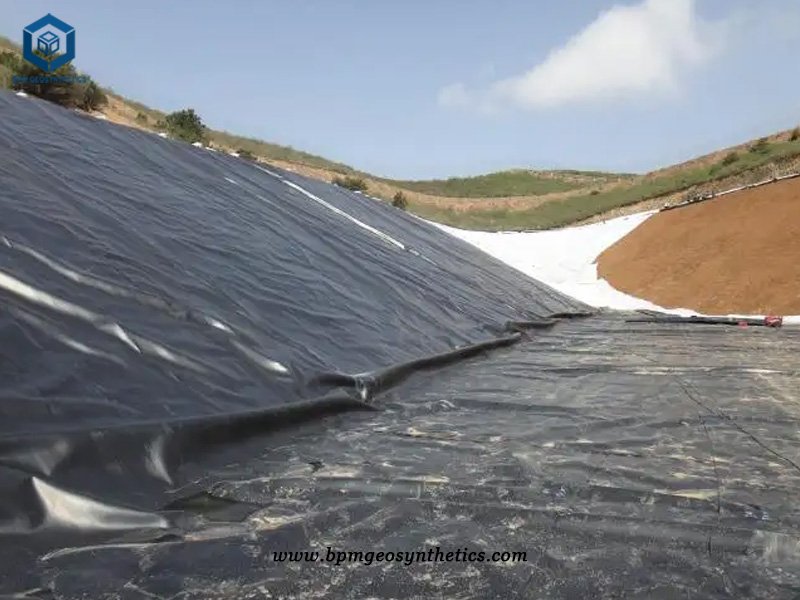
x,y
627,52
454,96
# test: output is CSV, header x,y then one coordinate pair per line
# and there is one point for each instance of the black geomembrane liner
x,y
203,362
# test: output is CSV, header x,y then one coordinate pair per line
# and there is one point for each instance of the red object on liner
x,y
743,324
773,321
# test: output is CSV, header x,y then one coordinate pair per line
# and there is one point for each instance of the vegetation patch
x,y
761,146
400,201
730,158
580,207
508,183
185,125
64,86
245,154
350,182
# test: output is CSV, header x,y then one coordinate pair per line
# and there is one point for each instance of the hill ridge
x,y
512,199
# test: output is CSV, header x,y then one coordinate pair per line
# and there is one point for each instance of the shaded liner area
x,y
156,450
622,464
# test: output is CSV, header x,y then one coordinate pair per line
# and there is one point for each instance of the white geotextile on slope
x,y
565,260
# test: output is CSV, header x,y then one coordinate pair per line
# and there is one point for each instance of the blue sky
x,y
436,88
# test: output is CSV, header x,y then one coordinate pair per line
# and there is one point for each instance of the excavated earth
x,y
736,254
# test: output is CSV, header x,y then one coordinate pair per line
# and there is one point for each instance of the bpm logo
x,y
55,43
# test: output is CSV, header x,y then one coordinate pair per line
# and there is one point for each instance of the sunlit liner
x,y
387,238
70,274
51,330
260,361
104,286
139,344
64,508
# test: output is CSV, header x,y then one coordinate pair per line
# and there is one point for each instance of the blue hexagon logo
x,y
48,43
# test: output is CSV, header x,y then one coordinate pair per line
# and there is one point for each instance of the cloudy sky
x,y
432,88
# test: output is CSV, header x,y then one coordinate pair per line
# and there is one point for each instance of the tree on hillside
x,y
93,97
64,86
185,125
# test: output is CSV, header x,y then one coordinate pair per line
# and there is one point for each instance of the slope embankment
x,y
737,254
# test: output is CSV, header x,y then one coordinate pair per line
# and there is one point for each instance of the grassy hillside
x,y
135,113
514,199
6,45
579,207
275,151
518,182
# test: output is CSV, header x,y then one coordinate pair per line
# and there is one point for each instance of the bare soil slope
x,y
734,254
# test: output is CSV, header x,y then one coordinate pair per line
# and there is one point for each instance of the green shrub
x,y
795,135
594,192
141,118
6,76
8,68
59,92
400,201
730,158
245,154
93,97
760,146
10,59
350,182
80,92
185,125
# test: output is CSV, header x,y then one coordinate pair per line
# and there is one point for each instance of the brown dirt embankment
x,y
737,254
